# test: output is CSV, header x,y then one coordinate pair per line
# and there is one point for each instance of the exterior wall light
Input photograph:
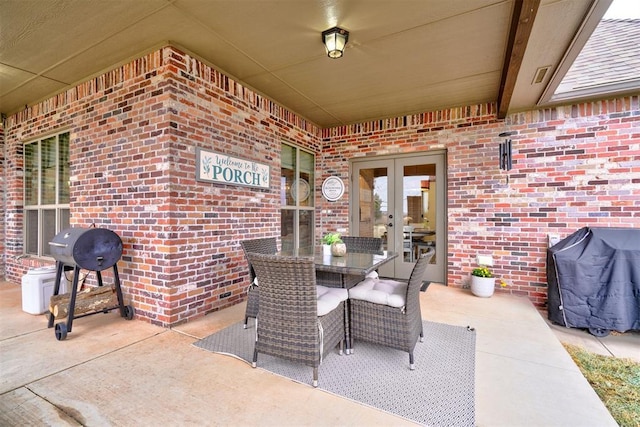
x,y
335,40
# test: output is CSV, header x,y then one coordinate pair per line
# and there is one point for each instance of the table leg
x,y
347,320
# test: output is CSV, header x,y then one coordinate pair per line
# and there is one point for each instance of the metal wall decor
x,y
505,151
333,188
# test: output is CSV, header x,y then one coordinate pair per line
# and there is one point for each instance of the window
x,y
46,192
296,197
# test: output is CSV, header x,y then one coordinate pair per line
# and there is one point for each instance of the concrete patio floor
x,y
110,371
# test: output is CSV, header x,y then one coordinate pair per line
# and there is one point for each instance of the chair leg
x,y
347,329
412,365
315,377
255,358
246,320
421,336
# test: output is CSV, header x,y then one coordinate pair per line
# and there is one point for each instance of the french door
x,y
402,200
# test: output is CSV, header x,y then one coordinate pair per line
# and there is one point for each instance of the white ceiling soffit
x,y
556,33
591,19
403,56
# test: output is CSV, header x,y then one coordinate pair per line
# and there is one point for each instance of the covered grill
x,y
594,280
93,249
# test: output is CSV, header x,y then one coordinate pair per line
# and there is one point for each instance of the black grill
x,y
93,249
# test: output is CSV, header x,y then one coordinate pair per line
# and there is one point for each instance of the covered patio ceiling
x,y
403,56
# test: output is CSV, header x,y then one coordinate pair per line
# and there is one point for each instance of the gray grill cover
x,y
594,279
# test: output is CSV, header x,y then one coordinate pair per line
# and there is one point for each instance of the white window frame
x,y
62,211
298,208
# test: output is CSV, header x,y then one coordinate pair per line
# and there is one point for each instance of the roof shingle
x,y
611,56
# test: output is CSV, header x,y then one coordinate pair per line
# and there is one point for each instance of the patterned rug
x,y
439,392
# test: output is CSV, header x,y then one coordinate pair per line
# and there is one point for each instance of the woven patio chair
x,y
265,245
297,320
367,245
387,312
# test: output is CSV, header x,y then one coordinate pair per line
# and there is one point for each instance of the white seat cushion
x,y
380,291
330,298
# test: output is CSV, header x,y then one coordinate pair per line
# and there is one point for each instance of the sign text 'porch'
x,y
217,167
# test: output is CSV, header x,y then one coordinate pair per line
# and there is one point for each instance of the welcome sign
x,y
217,167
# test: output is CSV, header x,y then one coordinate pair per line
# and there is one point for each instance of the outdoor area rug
x,y
439,392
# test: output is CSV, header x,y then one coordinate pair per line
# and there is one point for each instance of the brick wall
x,y
573,166
133,136
134,131
3,201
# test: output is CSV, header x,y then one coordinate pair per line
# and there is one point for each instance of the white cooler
x,y
37,288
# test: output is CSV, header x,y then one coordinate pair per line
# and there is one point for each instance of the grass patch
x,y
615,380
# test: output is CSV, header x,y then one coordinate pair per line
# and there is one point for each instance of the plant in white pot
x,y
334,241
482,282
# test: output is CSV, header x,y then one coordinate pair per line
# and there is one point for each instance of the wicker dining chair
x,y
394,319
265,245
293,322
367,245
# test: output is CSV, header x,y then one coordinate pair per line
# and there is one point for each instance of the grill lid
x,y
93,249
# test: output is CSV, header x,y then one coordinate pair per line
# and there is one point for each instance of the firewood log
x,y
95,299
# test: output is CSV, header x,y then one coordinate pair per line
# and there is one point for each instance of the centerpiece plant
x,y
334,240
331,238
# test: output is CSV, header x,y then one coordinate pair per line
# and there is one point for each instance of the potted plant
x,y
333,240
482,282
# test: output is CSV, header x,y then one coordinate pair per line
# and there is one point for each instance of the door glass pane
x,y
31,174
373,204
419,210
63,169
49,172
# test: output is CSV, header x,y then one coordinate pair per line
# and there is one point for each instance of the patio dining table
x,y
345,271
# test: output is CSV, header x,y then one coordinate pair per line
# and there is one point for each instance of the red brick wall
x,y
134,132
133,136
573,166
3,202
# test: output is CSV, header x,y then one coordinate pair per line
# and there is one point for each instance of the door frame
x,y
391,163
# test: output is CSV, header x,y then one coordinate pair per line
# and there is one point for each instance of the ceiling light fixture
x,y
335,40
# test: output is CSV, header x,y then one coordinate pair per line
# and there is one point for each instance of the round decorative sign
x,y
332,188
300,190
